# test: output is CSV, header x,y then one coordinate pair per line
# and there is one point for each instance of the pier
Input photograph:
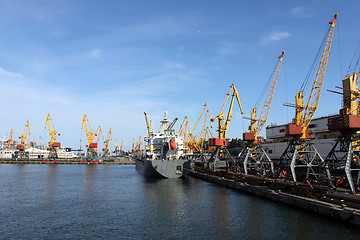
x,y
341,205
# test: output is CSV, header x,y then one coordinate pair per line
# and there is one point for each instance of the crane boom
x,y
148,124
314,97
266,108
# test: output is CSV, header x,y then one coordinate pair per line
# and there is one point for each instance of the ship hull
x,y
163,168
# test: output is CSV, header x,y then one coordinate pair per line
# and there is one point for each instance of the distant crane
x,y
107,142
221,153
10,139
300,152
53,145
20,153
253,154
90,135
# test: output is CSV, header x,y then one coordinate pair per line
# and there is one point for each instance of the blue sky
x,y
113,60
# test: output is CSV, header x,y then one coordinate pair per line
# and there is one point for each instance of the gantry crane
x,y
107,142
221,153
254,156
9,141
53,145
90,135
20,153
300,152
344,156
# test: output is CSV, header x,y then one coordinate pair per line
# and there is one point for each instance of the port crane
x,y
107,142
90,135
345,153
195,143
300,153
10,139
53,145
20,153
221,152
254,155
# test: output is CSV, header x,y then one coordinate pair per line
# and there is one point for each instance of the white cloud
x,y
228,48
300,12
5,73
273,37
96,53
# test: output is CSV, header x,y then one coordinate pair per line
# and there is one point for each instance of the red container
x,y
293,129
216,142
249,136
56,144
93,145
20,147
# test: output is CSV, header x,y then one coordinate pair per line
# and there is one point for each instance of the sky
x,y
112,60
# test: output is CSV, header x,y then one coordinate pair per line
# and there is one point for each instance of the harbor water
x,y
116,202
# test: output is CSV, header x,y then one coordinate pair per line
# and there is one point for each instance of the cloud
x,y
5,73
273,37
299,12
96,53
228,48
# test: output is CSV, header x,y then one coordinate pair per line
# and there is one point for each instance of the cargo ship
x,y
164,155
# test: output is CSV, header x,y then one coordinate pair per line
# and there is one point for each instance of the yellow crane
x,y
195,143
10,139
121,145
254,128
138,146
53,145
300,152
148,124
107,142
223,126
23,136
221,153
133,146
253,156
90,135
344,157
20,153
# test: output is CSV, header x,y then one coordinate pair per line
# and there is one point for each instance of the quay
x,y
340,204
67,161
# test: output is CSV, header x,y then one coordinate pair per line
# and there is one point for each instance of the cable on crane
x,y
266,87
355,60
314,63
